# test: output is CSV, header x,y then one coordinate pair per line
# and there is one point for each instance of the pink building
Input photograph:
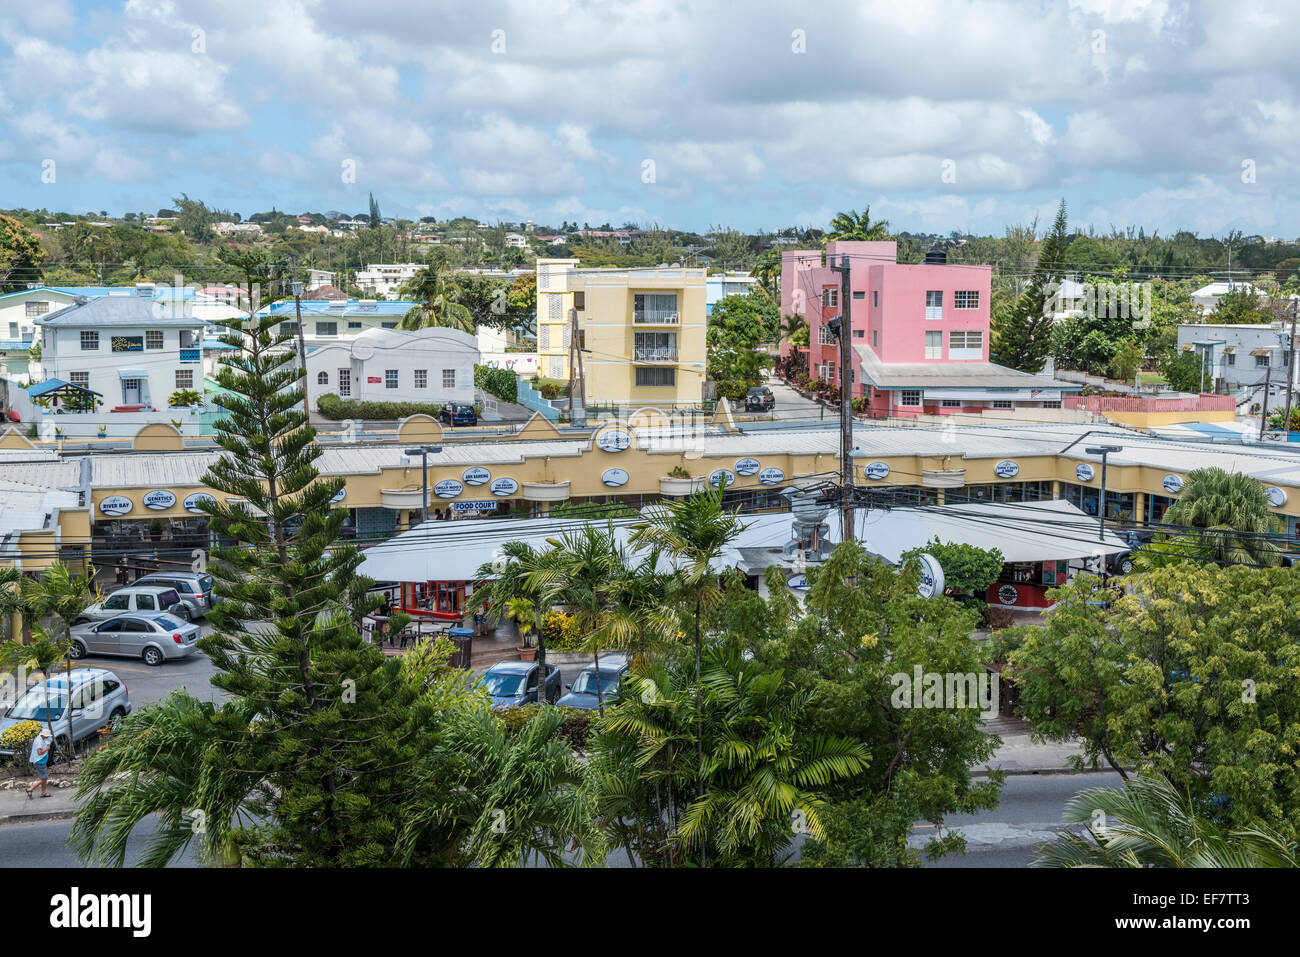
x,y
920,332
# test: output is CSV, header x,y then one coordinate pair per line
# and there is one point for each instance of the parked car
x,y
152,637
135,598
458,413
195,589
514,683
98,698
759,399
1121,563
582,693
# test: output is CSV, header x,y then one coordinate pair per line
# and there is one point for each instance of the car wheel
x,y
152,657
77,651
1126,566
115,718
185,613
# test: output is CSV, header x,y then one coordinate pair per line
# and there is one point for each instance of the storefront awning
x,y
1259,352
132,374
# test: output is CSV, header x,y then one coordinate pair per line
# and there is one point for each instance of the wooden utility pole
x,y
577,381
1290,372
302,343
846,399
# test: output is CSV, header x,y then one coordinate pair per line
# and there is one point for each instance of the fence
x,y
1182,403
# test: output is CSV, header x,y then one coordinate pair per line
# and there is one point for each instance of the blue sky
x,y
940,114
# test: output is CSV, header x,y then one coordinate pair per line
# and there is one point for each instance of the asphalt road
x,y
1030,812
45,844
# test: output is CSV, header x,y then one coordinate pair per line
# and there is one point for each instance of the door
x,y
134,636
104,639
345,382
115,605
531,690
131,392
86,711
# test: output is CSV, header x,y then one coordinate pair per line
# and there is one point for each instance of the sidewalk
x,y
15,806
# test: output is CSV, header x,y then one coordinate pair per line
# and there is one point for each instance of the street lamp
x,y
423,452
1103,451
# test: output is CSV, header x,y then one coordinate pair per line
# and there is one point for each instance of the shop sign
x,y
1008,594
504,486
718,476
1006,469
771,476
876,470
747,466
614,440
115,505
614,477
798,583
339,496
191,502
448,488
159,499
932,581
1276,496
1083,472
1173,484
475,506
476,475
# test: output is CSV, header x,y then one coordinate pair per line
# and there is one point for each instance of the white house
x,y
384,279
134,352
1239,355
394,365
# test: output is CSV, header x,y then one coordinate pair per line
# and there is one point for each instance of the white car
x,y
149,599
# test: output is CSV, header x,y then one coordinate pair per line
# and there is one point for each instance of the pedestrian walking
x,y
39,759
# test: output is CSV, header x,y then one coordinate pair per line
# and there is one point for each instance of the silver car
x,y
146,599
98,698
154,638
195,589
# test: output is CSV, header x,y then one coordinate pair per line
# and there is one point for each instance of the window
x,y
1260,361
353,324
966,299
859,333
831,297
128,343
654,307
116,603
1230,359
288,328
145,603
390,378
968,344
153,339
951,403
875,298
859,295
13,330
80,378
422,378
449,378
652,376
909,397
830,372
934,345
89,341
1052,405
557,367
654,347
875,339
185,378
824,336
579,301
322,378
345,382
934,304
389,325
1003,404
326,330
35,309
554,306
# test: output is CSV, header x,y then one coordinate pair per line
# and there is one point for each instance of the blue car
x,y
582,693
514,683
458,413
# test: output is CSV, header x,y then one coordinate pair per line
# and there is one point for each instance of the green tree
x,y
737,328
968,569
1189,673
438,294
855,226
1126,361
768,273
1241,304
1148,823
1183,370
194,219
794,329
519,588
21,256
1021,329
1235,513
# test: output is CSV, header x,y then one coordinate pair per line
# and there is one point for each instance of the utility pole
x,y
843,329
423,452
1263,415
577,380
1290,373
302,343
1103,451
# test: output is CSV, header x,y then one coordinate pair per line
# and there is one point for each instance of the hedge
x,y
332,407
576,726
498,382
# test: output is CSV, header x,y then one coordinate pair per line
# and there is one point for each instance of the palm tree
x,y
768,273
858,226
11,600
693,531
795,329
1149,823
1234,511
520,591
638,616
437,295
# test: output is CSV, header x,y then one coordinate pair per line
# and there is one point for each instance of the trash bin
x,y
463,639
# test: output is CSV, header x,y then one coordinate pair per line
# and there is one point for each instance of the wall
x,y
372,354
62,355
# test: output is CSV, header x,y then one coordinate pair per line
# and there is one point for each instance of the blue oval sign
x,y
504,486
1006,469
448,488
191,502
718,476
116,505
158,499
339,496
876,470
476,475
747,466
1173,484
615,440
1083,472
771,476
614,477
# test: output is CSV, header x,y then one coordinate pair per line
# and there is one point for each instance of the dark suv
x,y
458,413
760,399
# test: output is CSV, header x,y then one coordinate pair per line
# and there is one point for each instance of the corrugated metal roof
x,y
966,375
119,311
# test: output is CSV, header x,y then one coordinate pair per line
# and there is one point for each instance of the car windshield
x,y
32,705
168,623
586,683
502,685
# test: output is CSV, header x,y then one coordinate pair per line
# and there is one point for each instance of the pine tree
x,y
1022,329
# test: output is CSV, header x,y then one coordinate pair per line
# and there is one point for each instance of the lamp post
x,y
1103,451
423,452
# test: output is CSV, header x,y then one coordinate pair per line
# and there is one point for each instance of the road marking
x,y
138,671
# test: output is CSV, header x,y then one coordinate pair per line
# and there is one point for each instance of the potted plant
x,y
156,527
679,482
521,612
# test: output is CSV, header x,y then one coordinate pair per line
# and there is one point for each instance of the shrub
x,y
184,397
18,737
501,383
332,407
1000,617
561,631
678,472
576,726
552,388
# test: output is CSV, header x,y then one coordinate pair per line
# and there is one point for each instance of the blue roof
x,y
92,292
322,307
14,345
50,385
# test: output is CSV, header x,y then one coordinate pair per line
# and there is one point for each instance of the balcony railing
x,y
654,355
655,317
191,355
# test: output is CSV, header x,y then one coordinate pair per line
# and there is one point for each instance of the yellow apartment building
x,y
642,332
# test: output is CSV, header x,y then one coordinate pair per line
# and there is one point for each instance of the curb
x,y
52,815
1024,772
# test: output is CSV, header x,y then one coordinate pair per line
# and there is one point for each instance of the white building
x,y
517,240
730,284
134,352
1239,355
237,229
392,365
1207,297
384,279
